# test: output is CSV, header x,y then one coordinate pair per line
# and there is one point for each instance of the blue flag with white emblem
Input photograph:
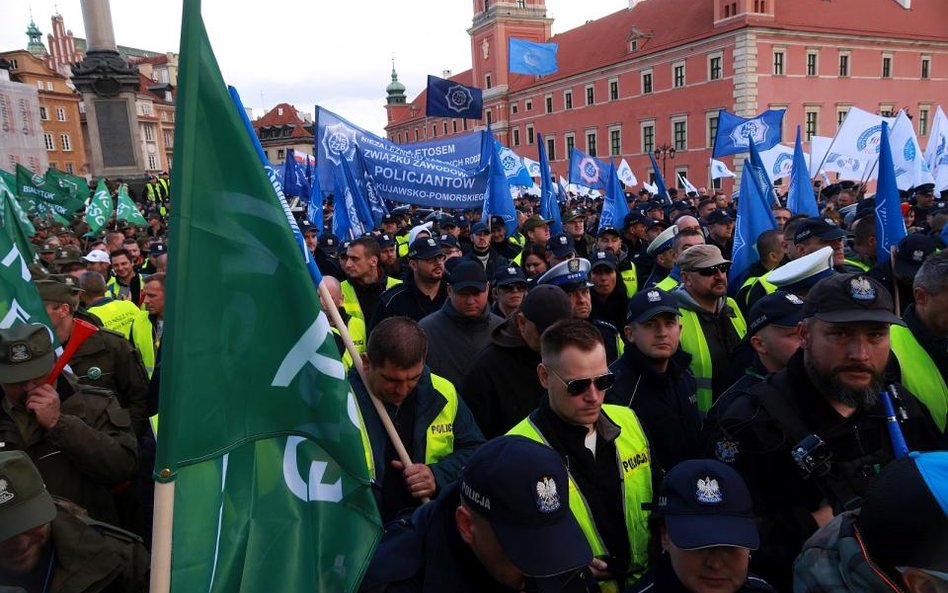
x,y
514,168
890,226
587,171
529,57
759,173
800,198
614,206
498,201
549,206
659,180
753,218
735,133
447,98
295,182
314,209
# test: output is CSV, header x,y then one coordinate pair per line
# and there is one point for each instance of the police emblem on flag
x,y
755,129
589,170
339,143
458,98
548,499
870,140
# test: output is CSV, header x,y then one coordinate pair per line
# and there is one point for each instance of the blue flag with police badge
x,y
659,180
587,171
614,206
514,168
529,57
890,226
800,198
759,174
294,176
753,218
549,205
314,209
498,201
447,98
735,133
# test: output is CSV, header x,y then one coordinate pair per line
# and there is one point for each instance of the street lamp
x,y
664,152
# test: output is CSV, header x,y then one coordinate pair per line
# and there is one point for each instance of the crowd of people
x,y
602,408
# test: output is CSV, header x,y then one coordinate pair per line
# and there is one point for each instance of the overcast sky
x,y
305,52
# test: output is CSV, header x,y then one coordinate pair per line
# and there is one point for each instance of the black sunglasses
x,y
581,386
723,268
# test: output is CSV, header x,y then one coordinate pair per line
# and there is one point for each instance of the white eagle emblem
x,y
861,289
548,500
653,296
6,493
918,255
708,491
19,353
794,299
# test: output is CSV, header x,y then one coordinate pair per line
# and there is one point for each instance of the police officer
x,y
44,541
604,447
105,359
685,238
435,426
79,437
574,223
423,293
653,379
366,278
504,526
810,438
509,288
354,325
572,276
661,250
921,347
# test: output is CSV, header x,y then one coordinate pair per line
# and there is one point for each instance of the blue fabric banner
x,y
446,98
800,198
587,171
412,174
614,206
514,167
759,174
659,180
735,133
528,57
498,201
890,226
549,205
753,218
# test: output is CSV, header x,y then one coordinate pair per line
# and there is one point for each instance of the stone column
x,y
97,17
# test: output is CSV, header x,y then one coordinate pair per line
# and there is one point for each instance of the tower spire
x,y
395,89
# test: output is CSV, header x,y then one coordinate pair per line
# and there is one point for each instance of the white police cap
x,y
663,241
803,272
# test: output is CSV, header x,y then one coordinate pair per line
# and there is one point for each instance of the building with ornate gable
x,y
655,74
284,127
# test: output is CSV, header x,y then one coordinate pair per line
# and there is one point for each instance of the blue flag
x,y
587,171
659,180
314,209
549,205
614,206
753,218
447,98
294,176
498,201
277,184
347,221
800,198
760,176
735,133
514,167
890,226
528,57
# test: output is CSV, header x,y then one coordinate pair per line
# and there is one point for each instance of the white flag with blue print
x,y
910,166
626,175
720,170
936,153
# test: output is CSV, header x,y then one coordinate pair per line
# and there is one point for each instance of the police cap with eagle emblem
x,y
522,489
845,298
705,503
26,352
570,275
646,304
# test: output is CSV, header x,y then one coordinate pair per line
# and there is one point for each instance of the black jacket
x,y
406,300
665,404
662,579
501,386
494,262
757,442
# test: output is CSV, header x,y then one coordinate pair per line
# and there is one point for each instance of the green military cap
x,y
573,215
50,247
24,501
68,254
56,289
26,352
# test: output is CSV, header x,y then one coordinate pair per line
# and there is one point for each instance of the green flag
x,y
43,195
19,299
6,190
9,178
126,209
272,485
73,186
99,209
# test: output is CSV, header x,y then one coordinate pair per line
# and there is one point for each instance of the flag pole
x,y
161,536
357,362
895,282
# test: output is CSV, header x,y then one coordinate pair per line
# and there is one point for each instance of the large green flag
x,y
99,209
73,186
43,195
258,426
19,299
126,210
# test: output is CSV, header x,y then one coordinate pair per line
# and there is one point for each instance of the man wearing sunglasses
x,y
712,325
604,447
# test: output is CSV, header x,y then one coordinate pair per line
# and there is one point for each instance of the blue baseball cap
x,y
512,274
603,258
522,489
646,304
468,274
560,245
705,503
777,308
479,227
424,248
